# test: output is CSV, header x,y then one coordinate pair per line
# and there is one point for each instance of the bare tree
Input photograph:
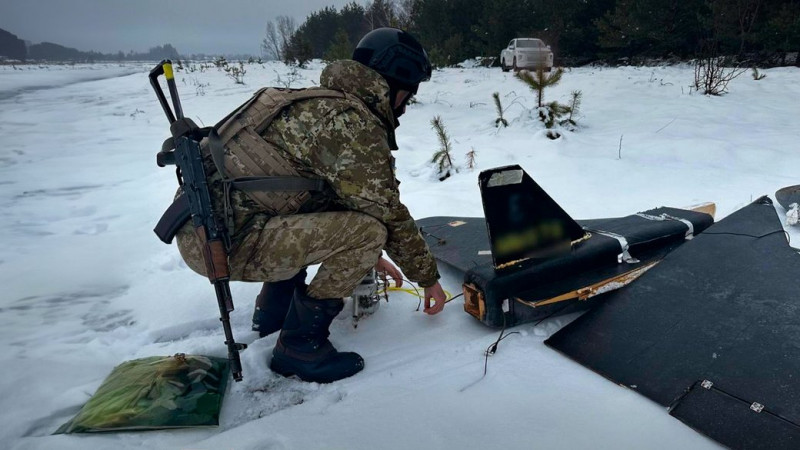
x,y
747,13
381,13
406,10
277,37
271,45
735,18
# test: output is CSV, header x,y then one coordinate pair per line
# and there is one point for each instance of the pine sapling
x,y
758,75
220,62
538,81
442,156
471,159
500,119
574,107
549,113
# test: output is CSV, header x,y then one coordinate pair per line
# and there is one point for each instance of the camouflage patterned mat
x,y
155,393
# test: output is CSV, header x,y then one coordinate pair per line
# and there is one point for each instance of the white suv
x,y
526,53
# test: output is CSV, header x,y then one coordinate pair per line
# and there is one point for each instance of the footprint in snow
x,y
92,230
272,396
101,321
69,191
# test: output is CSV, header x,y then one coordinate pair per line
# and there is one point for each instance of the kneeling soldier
x,y
341,133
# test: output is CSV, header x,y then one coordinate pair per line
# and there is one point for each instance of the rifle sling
x,y
178,212
277,183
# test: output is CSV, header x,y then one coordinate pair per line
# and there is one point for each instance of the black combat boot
x,y
303,348
272,303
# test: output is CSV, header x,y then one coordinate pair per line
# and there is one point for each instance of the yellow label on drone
x,y
168,71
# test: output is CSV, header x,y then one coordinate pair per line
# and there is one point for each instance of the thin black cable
x,y
750,235
382,274
419,296
453,297
492,349
424,231
435,227
439,241
415,290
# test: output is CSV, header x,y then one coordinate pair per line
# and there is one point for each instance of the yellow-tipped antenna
x,y
173,89
168,71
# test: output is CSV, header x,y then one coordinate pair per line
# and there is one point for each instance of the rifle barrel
x,y
225,302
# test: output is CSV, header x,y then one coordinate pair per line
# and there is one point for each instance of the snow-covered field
x,y
86,285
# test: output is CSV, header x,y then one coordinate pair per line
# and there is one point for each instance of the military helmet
x,y
396,55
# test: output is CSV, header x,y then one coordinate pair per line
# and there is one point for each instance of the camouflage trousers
x,y
346,244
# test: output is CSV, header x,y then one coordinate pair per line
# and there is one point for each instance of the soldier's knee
x,y
373,230
190,249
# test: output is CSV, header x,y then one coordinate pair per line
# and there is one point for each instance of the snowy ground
x,y
86,285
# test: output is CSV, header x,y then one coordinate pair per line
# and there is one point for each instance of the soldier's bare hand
x,y
384,268
436,293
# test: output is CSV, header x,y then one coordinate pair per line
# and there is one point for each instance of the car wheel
x,y
503,65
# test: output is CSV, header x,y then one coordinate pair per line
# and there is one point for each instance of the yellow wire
x,y
415,293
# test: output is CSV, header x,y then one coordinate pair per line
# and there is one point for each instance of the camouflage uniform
x,y
346,141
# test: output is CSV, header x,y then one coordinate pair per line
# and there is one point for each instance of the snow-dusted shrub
x,y
471,159
199,86
287,79
220,62
236,72
710,74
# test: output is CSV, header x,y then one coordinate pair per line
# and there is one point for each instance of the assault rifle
x,y
183,150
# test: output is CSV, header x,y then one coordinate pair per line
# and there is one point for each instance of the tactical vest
x,y
247,162
248,155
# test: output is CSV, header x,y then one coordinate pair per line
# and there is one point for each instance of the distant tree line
x,y
47,51
577,30
11,47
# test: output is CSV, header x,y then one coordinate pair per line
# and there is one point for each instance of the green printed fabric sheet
x,y
155,393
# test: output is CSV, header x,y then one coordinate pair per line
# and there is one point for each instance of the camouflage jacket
x,y
348,143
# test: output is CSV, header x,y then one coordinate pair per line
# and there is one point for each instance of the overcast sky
x,y
191,26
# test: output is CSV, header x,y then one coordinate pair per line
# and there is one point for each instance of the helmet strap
x,y
393,90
